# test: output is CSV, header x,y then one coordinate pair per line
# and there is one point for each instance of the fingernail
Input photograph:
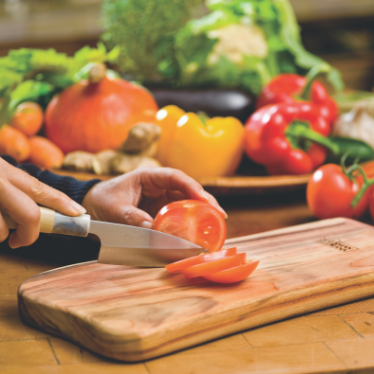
x,y
146,224
78,208
205,196
224,213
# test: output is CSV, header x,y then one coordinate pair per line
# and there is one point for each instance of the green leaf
x,y
49,60
29,90
88,54
144,32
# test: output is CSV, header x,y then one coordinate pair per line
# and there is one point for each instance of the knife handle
x,y
52,222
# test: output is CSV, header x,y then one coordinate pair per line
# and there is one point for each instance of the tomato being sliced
x,y
195,221
202,270
234,274
195,260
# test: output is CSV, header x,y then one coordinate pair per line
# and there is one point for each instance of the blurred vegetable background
x,y
190,72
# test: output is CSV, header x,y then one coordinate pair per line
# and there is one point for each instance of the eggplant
x,y
213,102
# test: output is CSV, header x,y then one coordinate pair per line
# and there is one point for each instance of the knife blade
x,y
120,244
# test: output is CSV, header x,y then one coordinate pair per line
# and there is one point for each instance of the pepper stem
x,y
301,131
203,117
310,78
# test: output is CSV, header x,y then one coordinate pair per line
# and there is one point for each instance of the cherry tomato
x,y
195,221
330,193
210,267
233,275
195,260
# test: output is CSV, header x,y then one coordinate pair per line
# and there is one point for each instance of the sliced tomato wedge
x,y
195,260
214,266
193,220
233,275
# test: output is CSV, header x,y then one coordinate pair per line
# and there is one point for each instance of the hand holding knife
x,y
120,244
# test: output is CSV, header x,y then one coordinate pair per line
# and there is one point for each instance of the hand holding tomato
x,y
135,197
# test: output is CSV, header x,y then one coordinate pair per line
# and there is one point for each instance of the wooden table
x,y
338,340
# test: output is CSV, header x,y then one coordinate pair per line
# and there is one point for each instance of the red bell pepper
x,y
288,88
288,138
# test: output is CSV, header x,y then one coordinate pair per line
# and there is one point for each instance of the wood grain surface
x,y
133,314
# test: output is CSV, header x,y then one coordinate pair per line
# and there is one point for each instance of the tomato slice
x,y
195,221
195,260
232,275
214,266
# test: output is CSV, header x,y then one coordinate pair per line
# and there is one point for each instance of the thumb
x,y
133,216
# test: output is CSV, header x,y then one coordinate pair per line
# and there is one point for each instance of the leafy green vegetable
x,y
144,32
36,74
237,43
257,39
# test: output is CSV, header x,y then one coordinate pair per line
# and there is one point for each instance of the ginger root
x,y
138,150
142,140
122,163
102,163
79,161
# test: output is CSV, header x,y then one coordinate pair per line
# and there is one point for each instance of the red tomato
x,y
195,260
233,275
330,193
202,270
195,221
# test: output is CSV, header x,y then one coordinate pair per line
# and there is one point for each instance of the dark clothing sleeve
x,y
72,187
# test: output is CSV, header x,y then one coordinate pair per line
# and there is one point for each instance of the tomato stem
x,y
367,184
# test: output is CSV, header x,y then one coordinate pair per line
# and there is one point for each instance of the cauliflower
x,y
236,41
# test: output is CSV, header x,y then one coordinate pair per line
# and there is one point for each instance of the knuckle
x,y
37,188
33,215
130,216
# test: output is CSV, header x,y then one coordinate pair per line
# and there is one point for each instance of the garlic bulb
x,y
356,124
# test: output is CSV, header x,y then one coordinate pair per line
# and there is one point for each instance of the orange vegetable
x,y
97,114
14,143
45,154
28,118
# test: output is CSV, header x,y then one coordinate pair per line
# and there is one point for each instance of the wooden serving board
x,y
134,314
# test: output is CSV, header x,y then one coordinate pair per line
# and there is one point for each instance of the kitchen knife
x,y
120,244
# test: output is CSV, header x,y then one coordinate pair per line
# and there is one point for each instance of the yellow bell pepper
x,y
200,147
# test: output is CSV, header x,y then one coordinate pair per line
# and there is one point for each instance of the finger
x,y
45,195
4,231
133,216
175,180
214,202
172,180
24,211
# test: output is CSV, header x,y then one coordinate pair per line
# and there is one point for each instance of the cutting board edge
x,y
290,308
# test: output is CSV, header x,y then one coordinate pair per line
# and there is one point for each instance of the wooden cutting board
x,y
134,314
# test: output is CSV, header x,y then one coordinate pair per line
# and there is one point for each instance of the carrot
x,y
45,154
14,143
28,118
